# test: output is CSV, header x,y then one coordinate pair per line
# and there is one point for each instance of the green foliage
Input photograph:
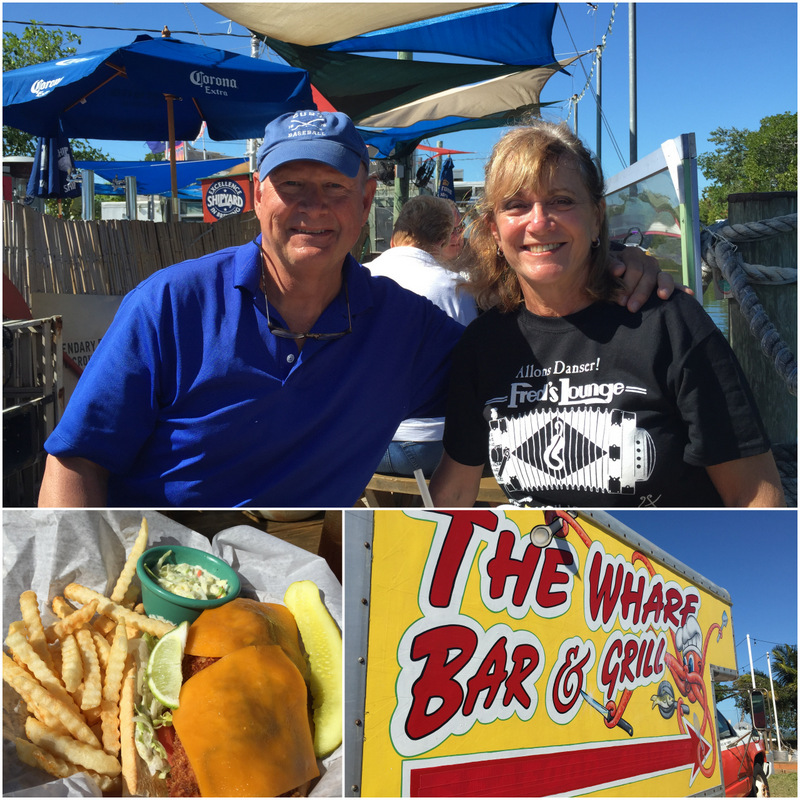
x,y
784,678
35,46
749,161
784,668
784,673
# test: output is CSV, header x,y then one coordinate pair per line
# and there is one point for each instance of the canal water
x,y
717,310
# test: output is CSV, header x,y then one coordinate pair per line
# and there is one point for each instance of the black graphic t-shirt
x,y
601,408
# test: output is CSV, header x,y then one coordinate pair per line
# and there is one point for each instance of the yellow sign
x,y
535,653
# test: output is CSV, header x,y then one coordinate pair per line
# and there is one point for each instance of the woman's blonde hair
x,y
526,158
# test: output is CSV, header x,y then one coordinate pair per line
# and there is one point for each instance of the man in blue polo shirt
x,y
272,374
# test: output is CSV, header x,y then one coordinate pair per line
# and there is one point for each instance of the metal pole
x,y
632,79
750,653
130,197
774,707
403,168
438,173
87,194
599,145
252,144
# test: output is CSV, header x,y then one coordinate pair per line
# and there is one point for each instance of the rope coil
x,y
720,256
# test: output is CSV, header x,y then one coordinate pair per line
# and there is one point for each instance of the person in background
x,y
571,399
453,249
421,234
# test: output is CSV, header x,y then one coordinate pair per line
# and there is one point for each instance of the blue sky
x,y
751,553
701,66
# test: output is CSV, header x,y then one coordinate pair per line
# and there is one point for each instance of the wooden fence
x,y
42,253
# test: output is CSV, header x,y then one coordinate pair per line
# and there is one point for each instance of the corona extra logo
x,y
199,78
40,88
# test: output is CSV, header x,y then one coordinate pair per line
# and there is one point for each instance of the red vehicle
x,y
745,766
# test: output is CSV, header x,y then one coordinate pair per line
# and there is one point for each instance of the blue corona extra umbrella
x,y
52,172
153,89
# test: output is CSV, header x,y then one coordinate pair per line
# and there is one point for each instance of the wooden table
x,y
320,534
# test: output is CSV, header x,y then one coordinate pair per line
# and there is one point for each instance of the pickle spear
x,y
323,643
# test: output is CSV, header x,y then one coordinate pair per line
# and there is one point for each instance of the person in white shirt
x,y
423,231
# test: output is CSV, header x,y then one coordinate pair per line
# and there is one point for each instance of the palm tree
x,y
784,671
784,666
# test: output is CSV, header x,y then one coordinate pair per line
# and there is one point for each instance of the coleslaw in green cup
x,y
179,583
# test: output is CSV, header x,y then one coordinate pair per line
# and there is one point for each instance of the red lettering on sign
x,y
617,591
605,588
632,595
453,551
526,660
654,607
436,679
570,679
547,595
674,601
629,661
489,677
501,567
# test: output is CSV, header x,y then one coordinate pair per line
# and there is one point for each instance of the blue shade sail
x,y
510,33
153,177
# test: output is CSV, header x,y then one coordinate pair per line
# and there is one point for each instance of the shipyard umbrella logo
x,y
225,197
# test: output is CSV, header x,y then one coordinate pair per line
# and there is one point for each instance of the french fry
x,y
127,753
92,681
103,649
38,758
29,606
116,665
82,594
20,648
45,716
33,693
55,653
71,664
126,576
61,608
103,625
67,748
112,685
77,619
109,727
92,716
78,681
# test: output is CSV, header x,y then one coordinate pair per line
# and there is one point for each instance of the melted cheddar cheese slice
x,y
247,737
241,623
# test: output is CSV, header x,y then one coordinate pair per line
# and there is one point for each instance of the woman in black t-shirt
x,y
571,399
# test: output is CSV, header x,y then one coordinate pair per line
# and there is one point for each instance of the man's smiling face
x,y
311,215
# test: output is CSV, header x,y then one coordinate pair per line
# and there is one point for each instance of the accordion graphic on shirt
x,y
580,449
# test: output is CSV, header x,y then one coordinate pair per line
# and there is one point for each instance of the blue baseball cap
x,y
328,137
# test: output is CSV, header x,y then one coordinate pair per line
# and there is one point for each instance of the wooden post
x,y
173,169
777,405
